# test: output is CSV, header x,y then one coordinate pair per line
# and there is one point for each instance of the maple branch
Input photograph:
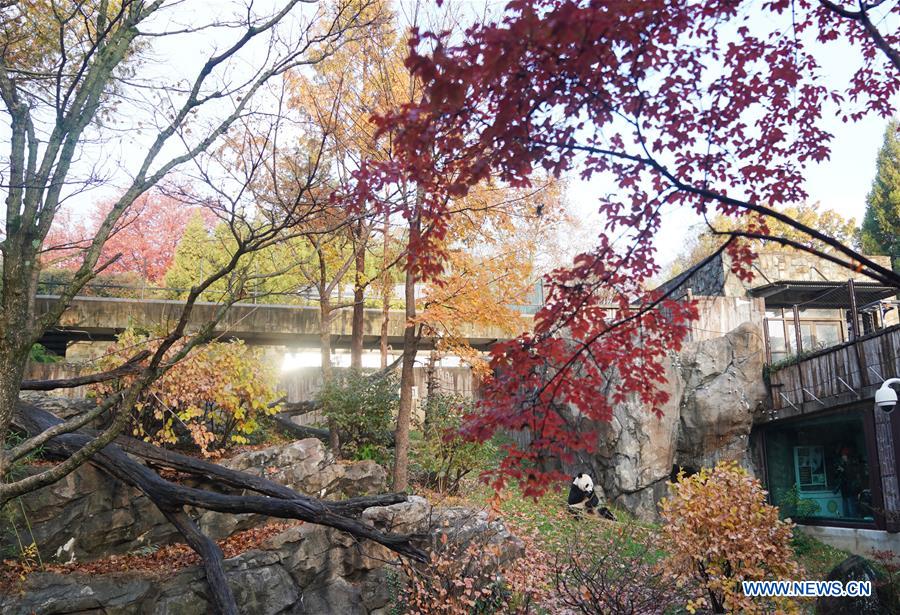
x,y
862,16
791,243
584,345
876,271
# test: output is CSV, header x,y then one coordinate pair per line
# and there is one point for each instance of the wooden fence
x,y
837,375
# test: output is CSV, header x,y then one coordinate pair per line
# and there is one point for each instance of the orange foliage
x,y
214,396
720,531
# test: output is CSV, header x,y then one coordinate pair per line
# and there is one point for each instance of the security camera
x,y
886,397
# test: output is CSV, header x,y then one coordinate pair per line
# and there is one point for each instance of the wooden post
x,y
855,335
797,336
887,466
798,341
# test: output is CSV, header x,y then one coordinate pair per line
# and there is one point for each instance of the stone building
x,y
779,373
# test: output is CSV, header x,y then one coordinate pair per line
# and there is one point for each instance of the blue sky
x,y
840,183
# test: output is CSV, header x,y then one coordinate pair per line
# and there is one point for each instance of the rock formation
x,y
304,570
88,515
714,387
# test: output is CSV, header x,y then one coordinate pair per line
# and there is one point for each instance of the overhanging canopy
x,y
821,294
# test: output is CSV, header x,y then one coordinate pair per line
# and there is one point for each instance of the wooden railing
x,y
836,375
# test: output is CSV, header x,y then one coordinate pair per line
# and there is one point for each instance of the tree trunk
x,y
359,306
16,323
334,440
386,293
410,346
431,390
12,368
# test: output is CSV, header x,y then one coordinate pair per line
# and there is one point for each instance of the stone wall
x,y
782,266
715,279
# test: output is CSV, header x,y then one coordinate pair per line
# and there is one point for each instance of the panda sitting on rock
x,y
583,498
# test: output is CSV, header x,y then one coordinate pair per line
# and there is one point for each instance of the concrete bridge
x,y
294,326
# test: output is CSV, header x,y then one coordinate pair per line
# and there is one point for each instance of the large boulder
x,y
723,386
304,570
854,568
304,466
714,387
637,450
86,514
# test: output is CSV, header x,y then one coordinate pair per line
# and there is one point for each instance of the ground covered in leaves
x,y
162,560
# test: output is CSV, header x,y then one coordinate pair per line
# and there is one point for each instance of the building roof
x,y
822,294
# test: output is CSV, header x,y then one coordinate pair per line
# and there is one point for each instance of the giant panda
x,y
583,498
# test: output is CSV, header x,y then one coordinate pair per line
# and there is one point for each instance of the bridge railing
x,y
149,292
305,296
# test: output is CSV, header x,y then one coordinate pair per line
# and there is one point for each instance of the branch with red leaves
x,y
697,105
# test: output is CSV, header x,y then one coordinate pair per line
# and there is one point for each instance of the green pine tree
x,y
880,233
194,258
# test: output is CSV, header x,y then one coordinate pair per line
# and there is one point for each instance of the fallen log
x,y
305,431
300,431
213,472
171,498
131,366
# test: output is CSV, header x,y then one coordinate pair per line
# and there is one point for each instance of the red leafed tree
x,y
712,106
145,237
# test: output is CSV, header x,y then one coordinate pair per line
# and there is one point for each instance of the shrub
x,y
210,399
888,585
461,578
442,457
40,354
620,574
362,407
720,531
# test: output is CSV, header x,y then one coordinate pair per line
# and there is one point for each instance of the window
x,y
818,468
778,348
818,329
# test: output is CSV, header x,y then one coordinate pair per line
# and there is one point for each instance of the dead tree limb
x,y
241,480
213,561
171,499
300,431
130,367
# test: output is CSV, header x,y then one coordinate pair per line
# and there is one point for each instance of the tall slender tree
x,y
880,232
66,84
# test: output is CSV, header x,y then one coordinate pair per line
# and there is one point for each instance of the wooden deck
x,y
836,376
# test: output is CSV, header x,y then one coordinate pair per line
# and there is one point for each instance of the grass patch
x,y
546,518
816,557
553,527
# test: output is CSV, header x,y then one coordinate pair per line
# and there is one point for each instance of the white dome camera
x,y
886,397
